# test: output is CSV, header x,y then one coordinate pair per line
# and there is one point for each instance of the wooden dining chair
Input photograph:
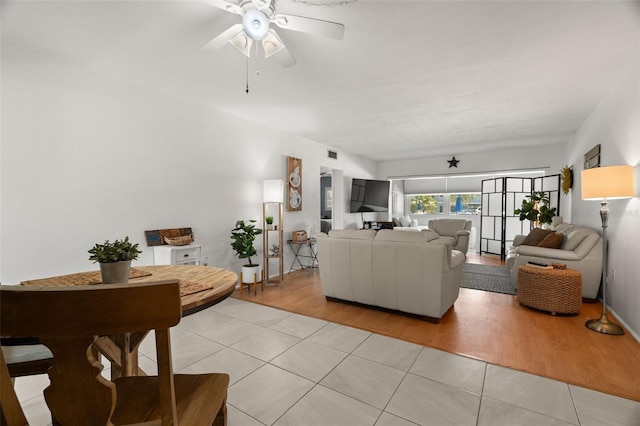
x,y
69,319
25,356
11,413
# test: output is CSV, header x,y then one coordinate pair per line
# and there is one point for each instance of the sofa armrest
x,y
518,239
463,232
553,254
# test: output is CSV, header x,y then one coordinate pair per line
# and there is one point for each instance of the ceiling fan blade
x,y
319,27
223,38
285,57
226,5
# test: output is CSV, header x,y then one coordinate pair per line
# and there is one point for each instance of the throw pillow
x,y
536,236
552,240
405,221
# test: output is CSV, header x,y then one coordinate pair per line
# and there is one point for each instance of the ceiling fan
x,y
256,17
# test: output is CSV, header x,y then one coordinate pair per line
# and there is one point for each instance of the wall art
x,y
294,184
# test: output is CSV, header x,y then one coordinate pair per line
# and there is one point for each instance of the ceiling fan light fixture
x,y
255,24
271,48
242,43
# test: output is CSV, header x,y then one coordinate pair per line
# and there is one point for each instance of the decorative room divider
x,y
500,197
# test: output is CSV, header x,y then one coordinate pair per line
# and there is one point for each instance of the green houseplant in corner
x,y
536,209
243,236
115,259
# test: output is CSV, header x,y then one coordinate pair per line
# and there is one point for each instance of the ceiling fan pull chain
x,y
257,59
247,89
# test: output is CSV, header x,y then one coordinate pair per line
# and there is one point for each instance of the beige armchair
x,y
457,231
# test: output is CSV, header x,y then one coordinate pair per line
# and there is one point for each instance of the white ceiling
x,y
410,79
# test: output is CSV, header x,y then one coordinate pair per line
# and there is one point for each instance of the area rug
x,y
486,278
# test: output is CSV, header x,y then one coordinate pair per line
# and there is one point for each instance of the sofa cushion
x,y
396,221
353,234
405,237
535,236
553,241
448,227
574,238
405,221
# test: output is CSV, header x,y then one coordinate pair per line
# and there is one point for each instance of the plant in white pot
x,y
243,236
115,259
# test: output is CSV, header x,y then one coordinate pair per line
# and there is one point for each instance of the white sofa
x,y
412,272
581,249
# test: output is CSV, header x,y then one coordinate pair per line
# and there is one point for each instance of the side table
x,y
552,290
296,246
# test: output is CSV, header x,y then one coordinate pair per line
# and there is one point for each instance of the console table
x,y
296,247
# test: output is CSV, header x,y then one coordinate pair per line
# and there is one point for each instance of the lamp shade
x,y
607,182
273,191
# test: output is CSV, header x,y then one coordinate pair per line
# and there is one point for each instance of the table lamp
x,y
604,183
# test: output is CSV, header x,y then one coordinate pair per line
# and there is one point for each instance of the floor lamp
x,y
603,183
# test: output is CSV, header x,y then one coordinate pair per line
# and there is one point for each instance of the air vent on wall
x,y
333,154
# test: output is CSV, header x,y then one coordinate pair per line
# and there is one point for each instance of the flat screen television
x,y
368,195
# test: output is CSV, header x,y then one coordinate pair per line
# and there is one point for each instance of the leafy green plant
x,y
243,236
117,251
536,209
269,220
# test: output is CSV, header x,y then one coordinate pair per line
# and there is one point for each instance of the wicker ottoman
x,y
553,290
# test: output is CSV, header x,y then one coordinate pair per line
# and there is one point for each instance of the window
x,y
426,203
441,204
468,203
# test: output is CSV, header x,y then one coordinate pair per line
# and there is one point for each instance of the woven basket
x,y
553,290
179,241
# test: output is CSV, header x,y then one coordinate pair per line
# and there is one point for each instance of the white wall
x,y
615,125
85,159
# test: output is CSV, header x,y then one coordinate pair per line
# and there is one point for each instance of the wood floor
x,y
487,326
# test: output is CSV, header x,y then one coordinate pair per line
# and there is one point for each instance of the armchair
x,y
457,231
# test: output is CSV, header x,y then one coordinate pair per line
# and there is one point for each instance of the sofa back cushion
x,y
575,237
353,234
417,237
449,227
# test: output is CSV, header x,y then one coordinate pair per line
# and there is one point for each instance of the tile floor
x,y
288,369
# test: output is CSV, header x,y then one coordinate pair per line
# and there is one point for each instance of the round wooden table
x,y
200,287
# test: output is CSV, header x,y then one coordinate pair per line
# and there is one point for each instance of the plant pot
x,y
248,272
115,272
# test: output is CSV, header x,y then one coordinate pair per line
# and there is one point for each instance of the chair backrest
x,y
11,413
449,227
68,320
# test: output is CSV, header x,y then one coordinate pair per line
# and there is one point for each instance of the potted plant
x,y
243,236
536,209
115,259
269,220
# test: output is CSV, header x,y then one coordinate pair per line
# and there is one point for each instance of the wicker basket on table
x,y
555,290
